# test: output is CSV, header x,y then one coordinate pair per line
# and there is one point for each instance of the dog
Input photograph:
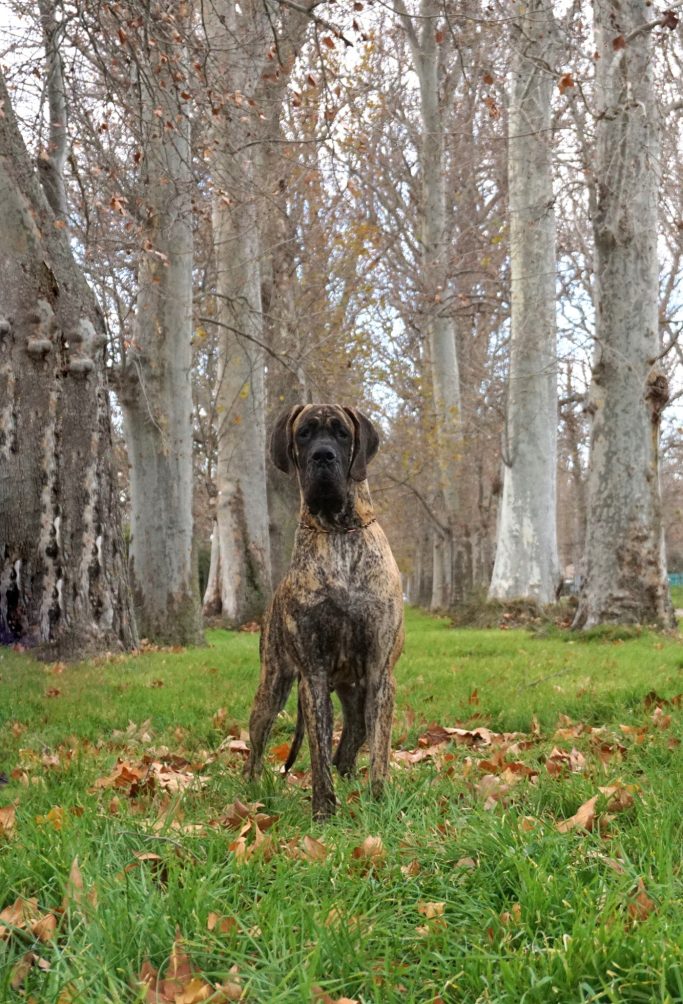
x,y
336,619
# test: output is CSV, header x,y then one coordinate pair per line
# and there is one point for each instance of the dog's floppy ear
x,y
366,443
281,439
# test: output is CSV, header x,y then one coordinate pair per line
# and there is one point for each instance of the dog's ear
x,y
365,445
281,439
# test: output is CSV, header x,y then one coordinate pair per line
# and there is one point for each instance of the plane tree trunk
x,y
154,385
527,564
624,568
63,582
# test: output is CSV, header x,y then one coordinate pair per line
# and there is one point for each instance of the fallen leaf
x,y
583,818
431,910
372,850
8,818
280,753
55,817
640,906
320,997
223,925
412,869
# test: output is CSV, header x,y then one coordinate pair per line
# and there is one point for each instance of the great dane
x,y
336,619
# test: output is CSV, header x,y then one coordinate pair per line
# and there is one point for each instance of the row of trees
x,y
442,212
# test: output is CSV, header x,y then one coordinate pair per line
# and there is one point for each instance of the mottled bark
x,y
527,565
154,387
436,299
246,72
63,583
242,544
51,161
625,569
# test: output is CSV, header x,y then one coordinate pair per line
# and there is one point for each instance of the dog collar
x,y
353,529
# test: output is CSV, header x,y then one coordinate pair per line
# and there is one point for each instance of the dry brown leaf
x,y
21,914
431,910
636,732
223,925
55,818
559,761
8,818
640,906
372,849
45,928
320,997
467,864
22,968
583,818
513,915
412,869
74,892
492,789
280,753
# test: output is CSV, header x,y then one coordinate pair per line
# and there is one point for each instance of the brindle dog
x,y
336,620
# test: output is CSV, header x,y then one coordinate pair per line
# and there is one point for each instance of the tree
x,y
625,569
154,379
63,576
243,42
527,564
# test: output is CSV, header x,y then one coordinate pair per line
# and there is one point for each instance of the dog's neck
x,y
357,513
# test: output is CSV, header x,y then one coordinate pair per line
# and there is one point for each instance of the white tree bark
x,y
241,49
155,388
239,579
526,564
625,569
63,583
437,306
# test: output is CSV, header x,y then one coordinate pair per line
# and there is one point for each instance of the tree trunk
x,y
240,575
63,584
155,389
527,564
625,570
437,301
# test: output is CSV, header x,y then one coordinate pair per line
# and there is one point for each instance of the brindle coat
x,y
336,620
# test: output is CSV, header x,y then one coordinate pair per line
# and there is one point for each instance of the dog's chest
x,y
342,607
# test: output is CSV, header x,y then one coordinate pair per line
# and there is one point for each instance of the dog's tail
x,y
298,736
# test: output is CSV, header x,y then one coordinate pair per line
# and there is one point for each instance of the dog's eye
x,y
304,433
341,432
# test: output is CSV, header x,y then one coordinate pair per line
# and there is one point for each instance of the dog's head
x,y
329,446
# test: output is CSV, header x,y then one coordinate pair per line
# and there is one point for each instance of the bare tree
x,y
527,565
625,569
63,584
154,380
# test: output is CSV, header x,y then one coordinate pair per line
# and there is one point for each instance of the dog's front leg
x,y
317,705
379,708
271,697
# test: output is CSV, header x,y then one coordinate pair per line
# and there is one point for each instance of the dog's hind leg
x,y
354,731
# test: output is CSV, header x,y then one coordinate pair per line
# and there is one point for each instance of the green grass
x,y
529,914
677,597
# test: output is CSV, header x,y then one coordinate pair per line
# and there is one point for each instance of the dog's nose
x,y
324,455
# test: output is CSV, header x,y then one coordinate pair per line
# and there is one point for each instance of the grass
x,y
474,894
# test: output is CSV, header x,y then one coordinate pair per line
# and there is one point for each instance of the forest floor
x,y
528,848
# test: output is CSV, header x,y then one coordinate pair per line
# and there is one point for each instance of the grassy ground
x,y
483,885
